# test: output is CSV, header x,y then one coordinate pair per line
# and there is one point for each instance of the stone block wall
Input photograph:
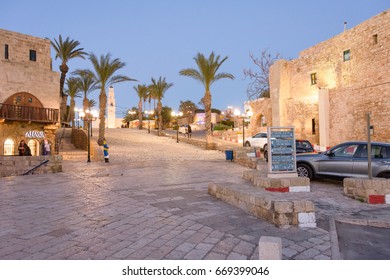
x,y
17,165
280,212
373,191
355,85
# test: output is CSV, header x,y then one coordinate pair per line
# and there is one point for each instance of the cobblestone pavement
x,y
149,202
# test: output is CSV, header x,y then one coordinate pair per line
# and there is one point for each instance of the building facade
x,y
327,92
29,93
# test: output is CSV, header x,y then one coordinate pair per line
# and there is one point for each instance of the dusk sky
x,y
160,38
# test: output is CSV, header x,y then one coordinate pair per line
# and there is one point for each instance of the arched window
x,y
9,147
34,147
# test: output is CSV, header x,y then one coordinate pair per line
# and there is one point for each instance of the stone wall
x,y
355,86
19,74
262,115
373,191
17,165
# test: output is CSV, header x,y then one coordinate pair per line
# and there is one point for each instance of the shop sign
x,y
282,150
35,134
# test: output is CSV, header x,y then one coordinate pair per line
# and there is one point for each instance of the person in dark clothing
x,y
24,149
189,131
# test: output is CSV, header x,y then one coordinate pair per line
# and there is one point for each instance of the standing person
x,y
189,131
105,151
212,127
24,149
46,147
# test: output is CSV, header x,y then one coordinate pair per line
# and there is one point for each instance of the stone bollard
x,y
270,248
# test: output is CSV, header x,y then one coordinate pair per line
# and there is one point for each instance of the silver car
x,y
346,160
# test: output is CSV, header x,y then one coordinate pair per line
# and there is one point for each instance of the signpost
x,y
282,153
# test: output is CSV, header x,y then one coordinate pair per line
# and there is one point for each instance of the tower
x,y
111,108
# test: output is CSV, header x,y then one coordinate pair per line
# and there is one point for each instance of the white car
x,y
258,140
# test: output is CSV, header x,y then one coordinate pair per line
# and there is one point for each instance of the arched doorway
x,y
34,147
9,147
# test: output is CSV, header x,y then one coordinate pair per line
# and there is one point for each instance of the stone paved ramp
x,y
149,202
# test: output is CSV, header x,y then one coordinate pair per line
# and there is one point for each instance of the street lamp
x,y
89,117
248,114
177,123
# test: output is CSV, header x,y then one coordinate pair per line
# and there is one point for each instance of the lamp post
x,y
89,117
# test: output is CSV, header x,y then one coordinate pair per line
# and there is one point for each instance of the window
x,y
347,150
6,51
33,55
9,146
375,39
347,55
313,78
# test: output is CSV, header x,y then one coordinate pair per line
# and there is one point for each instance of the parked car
x,y
348,159
257,140
301,146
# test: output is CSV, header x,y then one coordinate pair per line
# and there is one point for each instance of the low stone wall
x,y
17,165
373,191
281,212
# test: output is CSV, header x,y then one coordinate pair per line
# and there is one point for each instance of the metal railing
x,y
25,113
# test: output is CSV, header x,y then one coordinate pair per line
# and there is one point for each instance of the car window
x,y
345,150
303,144
376,152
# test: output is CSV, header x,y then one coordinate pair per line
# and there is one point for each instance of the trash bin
x,y
229,155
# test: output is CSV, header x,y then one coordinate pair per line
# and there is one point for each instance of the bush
x,y
228,123
221,127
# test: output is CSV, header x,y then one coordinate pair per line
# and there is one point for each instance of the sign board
x,y
281,150
34,134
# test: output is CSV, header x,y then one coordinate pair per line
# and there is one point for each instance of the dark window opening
x,y
33,55
375,39
347,55
313,78
6,51
313,126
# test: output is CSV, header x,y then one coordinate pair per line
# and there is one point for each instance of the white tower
x,y
111,108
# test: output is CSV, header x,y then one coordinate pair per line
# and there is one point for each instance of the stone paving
x,y
149,202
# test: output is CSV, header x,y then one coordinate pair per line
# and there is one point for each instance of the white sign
x,y
35,134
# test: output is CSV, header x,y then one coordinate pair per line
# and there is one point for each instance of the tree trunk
x,y
71,111
140,114
207,105
64,70
160,122
85,107
102,115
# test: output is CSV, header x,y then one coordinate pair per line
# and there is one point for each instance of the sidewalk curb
x,y
334,242
364,222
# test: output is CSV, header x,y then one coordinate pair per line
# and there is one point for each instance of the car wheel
x,y
247,144
264,147
304,170
266,156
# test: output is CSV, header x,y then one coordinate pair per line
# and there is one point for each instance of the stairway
x,y
67,149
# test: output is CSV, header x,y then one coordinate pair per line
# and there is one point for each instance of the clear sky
x,y
160,37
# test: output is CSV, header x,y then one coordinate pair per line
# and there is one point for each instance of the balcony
x,y
24,113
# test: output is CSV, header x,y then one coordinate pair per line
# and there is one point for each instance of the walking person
x,y
24,149
189,131
105,151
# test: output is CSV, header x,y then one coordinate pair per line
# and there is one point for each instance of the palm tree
x,y
66,50
104,75
73,91
91,103
87,85
142,92
158,90
207,75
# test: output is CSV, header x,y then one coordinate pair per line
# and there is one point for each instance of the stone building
x,y
29,93
327,92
